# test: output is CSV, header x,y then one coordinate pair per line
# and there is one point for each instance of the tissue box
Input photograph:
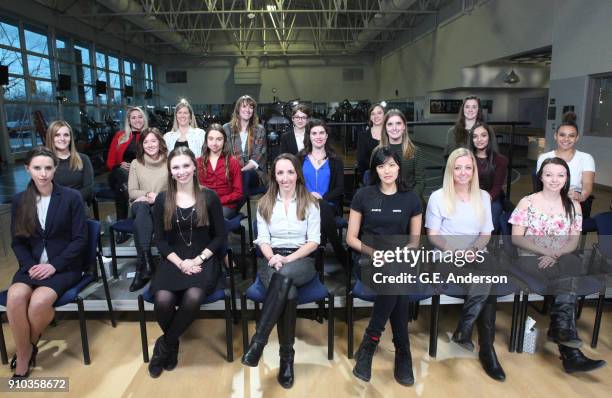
x,y
531,338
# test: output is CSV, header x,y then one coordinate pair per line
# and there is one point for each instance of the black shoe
x,y
463,339
121,237
363,358
31,364
486,338
142,275
286,338
563,321
172,359
490,363
403,365
158,360
286,376
471,309
575,361
253,354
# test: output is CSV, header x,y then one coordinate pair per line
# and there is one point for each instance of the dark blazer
x,y
65,235
288,143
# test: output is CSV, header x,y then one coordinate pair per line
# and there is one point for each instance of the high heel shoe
x,y
13,363
31,364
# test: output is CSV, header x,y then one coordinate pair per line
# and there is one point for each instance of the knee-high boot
x,y
562,328
273,306
143,272
486,338
286,338
472,307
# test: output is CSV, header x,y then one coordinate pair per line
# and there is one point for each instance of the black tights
x,y
174,322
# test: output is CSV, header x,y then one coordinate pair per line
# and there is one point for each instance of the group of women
x,y
179,188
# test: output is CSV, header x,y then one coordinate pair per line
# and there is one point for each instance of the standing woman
x,y
370,138
458,135
385,207
458,218
492,167
74,169
189,230
148,177
395,136
546,227
220,171
288,225
248,142
120,155
581,164
185,131
49,232
324,176
293,140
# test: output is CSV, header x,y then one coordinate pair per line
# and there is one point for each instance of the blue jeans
x,y
497,207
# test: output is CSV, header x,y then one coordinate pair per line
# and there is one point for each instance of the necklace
x,y
318,161
179,213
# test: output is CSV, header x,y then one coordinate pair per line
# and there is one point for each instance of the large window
x,y
600,123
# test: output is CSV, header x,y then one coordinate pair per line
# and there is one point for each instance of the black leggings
x,y
329,229
142,213
174,322
118,180
394,309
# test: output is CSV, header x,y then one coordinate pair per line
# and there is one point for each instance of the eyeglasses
x,y
300,117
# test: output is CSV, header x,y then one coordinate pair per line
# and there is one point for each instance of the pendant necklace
x,y
189,216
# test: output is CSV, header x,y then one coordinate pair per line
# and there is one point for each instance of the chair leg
x,y
109,302
230,258
514,325
580,305
433,331
3,352
113,252
245,329
521,326
320,311
598,316
417,305
250,219
330,326
143,329
243,265
349,324
83,327
229,338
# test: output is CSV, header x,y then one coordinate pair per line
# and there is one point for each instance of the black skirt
x,y
60,282
169,277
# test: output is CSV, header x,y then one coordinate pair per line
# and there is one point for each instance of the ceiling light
x,y
271,7
378,15
512,78
383,104
251,15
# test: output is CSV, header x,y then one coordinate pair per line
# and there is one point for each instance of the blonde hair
x,y
127,129
192,120
408,148
235,122
75,160
449,195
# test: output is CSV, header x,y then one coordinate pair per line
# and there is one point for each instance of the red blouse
x,y
229,191
115,153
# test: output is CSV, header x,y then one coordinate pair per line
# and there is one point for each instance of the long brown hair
x,y
235,122
25,217
170,203
75,160
329,151
225,151
304,198
408,148
140,152
461,134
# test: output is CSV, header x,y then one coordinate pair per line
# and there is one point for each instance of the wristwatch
x,y
203,257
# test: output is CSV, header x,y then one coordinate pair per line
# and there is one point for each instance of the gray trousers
x,y
300,272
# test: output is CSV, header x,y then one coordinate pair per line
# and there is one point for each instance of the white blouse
x,y
195,140
42,207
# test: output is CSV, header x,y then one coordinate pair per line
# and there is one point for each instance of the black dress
x,y
212,236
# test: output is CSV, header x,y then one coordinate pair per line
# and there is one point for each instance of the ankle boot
x,y
562,328
471,309
403,364
273,306
286,339
141,276
363,358
160,355
575,361
172,359
486,338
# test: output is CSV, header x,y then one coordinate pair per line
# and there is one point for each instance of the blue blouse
x,y
317,180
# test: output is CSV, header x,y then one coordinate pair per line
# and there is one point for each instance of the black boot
x,y
161,352
150,263
363,358
562,328
286,338
403,364
172,359
471,309
486,338
273,306
575,361
142,275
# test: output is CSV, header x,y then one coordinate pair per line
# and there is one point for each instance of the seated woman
x,y
74,169
189,231
370,138
385,207
395,136
459,218
492,167
324,177
220,171
546,227
581,164
288,232
292,141
185,131
148,177
247,139
49,231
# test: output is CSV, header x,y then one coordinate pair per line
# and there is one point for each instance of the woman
x,y
120,155
293,140
189,230
74,169
458,218
49,232
581,164
395,136
288,225
185,131
148,177
220,171
492,167
324,177
370,138
458,135
385,207
247,142
546,227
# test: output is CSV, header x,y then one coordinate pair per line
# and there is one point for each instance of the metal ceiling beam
x,y
141,13
390,10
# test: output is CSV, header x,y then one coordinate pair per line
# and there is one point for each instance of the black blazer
x,y
288,143
65,235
